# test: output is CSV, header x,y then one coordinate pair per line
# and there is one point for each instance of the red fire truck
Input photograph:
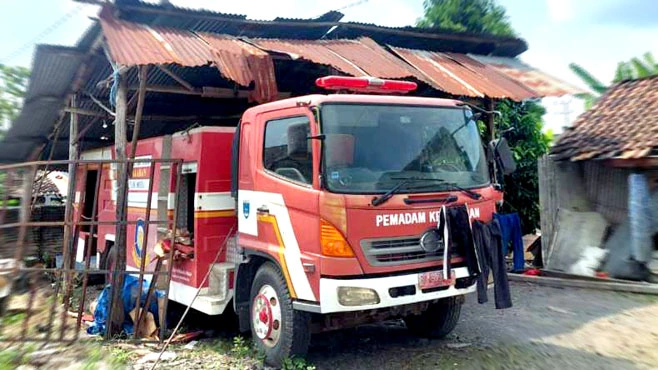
x,y
334,201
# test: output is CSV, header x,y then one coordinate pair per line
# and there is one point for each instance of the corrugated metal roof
x,y
623,123
200,20
244,63
182,38
133,44
325,26
53,70
362,57
458,74
313,51
541,82
432,39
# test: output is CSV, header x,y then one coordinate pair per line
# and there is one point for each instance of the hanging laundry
x,y
461,237
510,226
488,244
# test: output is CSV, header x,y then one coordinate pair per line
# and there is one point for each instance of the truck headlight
x,y
352,296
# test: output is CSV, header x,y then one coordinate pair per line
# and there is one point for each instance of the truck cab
x,y
339,198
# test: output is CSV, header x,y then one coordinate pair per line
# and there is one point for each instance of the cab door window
x,y
287,151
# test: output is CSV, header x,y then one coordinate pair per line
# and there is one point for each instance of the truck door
x,y
281,212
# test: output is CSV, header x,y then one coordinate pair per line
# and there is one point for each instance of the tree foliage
x,y
13,84
633,69
477,16
528,144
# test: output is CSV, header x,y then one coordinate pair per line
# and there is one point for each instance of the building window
x,y
287,151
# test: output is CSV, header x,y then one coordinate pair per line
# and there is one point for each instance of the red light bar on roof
x,y
365,84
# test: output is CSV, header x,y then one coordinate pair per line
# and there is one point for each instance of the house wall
x,y
587,186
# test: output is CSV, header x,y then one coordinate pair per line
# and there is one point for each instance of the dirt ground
x,y
547,328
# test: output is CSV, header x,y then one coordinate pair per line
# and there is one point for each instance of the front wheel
x,y
277,330
438,320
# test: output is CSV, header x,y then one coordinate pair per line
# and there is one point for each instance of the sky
x,y
597,34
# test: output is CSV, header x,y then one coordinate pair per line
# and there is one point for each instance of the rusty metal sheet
x,y
362,57
244,63
489,80
541,82
458,74
371,58
134,44
435,74
313,51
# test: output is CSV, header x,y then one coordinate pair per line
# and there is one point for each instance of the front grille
x,y
397,251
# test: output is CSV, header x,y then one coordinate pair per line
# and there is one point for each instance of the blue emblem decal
x,y
245,208
140,243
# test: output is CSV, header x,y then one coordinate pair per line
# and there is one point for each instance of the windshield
x,y
370,148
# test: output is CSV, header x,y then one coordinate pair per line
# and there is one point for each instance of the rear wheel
x,y
108,264
438,320
278,331
3,305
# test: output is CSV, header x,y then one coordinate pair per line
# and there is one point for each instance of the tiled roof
x,y
623,123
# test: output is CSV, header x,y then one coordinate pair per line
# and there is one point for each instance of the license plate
x,y
434,279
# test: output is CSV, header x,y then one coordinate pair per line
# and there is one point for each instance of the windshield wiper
x,y
452,185
376,201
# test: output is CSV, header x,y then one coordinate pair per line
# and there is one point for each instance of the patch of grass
x,y
241,347
9,359
93,355
13,318
119,357
297,364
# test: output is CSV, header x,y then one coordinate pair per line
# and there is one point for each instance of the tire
x,y
3,305
438,320
108,264
270,303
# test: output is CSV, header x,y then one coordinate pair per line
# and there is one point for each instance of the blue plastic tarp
x,y
129,296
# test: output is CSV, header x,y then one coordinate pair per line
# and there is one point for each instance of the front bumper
x,y
329,292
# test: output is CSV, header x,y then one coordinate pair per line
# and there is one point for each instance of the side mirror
x,y
503,156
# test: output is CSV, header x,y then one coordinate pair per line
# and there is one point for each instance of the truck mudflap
x,y
381,292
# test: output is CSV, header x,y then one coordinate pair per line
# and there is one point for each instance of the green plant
x,y
13,83
119,357
633,69
93,355
241,347
9,359
528,144
476,16
13,319
297,364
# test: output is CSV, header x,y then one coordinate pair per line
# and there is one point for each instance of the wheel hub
x,y
266,316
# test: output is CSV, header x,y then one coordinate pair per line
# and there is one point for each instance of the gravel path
x,y
547,328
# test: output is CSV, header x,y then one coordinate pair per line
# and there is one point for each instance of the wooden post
x,y
490,118
141,93
70,195
120,143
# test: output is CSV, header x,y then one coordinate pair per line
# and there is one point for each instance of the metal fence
x,y
45,286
